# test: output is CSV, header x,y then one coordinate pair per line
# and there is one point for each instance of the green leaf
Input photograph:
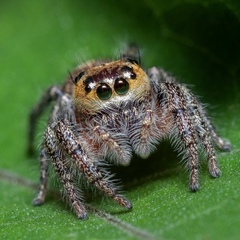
x,y
198,41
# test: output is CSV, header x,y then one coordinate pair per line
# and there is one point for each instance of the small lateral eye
x,y
127,69
133,75
87,83
87,89
104,92
78,77
121,86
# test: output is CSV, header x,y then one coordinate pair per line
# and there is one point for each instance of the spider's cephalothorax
x,y
105,112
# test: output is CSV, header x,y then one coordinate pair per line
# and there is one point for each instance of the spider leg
x,y
200,125
174,98
64,173
188,137
207,138
44,165
220,143
192,123
70,144
51,94
145,149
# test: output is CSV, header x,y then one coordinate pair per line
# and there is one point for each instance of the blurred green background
x,y
198,41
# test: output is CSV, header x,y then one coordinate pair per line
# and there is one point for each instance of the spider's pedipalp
x,y
115,147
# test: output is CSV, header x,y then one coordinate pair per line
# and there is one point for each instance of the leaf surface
x,y
198,41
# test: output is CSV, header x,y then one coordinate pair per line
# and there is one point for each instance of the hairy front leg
x,y
64,173
70,144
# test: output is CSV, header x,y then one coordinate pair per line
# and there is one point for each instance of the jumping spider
x,y
106,111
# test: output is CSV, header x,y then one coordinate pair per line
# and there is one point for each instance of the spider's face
x,y
113,82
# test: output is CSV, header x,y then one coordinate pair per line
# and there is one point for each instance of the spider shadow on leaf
x,y
160,164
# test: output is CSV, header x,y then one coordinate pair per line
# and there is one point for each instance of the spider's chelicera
x,y
105,112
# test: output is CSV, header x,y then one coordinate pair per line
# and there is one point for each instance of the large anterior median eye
x,y
121,86
104,92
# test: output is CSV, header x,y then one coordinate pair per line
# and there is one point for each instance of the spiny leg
x,y
201,126
64,173
70,144
204,134
174,98
50,95
44,165
212,165
220,143
190,144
